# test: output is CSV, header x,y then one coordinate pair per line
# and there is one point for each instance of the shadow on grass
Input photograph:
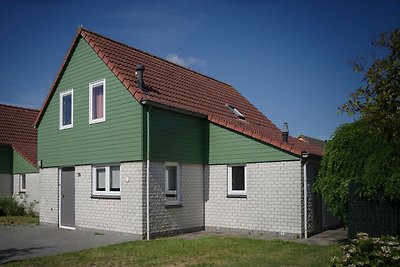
x,y
14,253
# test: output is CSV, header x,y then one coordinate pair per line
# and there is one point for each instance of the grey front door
x,y
67,197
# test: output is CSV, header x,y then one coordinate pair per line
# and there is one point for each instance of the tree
x,y
378,99
367,151
357,154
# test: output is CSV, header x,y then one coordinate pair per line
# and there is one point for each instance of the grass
x,y
18,220
206,251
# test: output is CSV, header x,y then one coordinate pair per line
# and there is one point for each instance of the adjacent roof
x,y
311,140
175,86
17,130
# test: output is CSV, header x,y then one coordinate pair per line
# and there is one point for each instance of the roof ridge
x,y
20,107
154,56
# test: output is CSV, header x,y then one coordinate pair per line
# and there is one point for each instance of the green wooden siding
x,y
117,139
177,137
227,146
21,165
6,159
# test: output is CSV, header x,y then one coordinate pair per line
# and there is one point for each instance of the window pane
x,y
171,170
67,109
23,182
101,179
97,102
238,178
114,179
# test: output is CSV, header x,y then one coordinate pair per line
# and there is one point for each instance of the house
x,y
19,175
319,205
130,142
311,140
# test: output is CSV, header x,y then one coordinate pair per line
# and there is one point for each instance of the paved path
x,y
23,242
324,238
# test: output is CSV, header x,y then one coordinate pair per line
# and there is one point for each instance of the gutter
x,y
148,173
304,155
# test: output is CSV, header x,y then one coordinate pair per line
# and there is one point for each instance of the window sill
x,y
105,197
172,206
236,196
22,192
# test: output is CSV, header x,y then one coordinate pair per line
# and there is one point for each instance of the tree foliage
x,y
367,151
358,154
378,99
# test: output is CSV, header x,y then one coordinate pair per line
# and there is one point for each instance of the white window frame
x,y
107,191
178,184
62,94
91,86
237,192
21,177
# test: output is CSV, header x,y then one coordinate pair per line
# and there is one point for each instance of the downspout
x,y
305,201
148,173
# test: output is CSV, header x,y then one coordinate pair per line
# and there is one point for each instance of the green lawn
x,y
206,251
18,220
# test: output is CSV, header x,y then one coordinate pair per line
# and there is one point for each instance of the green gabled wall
x,y
21,165
177,137
229,147
6,159
117,139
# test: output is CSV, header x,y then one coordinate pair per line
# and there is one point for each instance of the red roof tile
x,y
172,85
17,130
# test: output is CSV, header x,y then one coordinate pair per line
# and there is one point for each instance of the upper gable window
x,y
67,109
97,101
236,111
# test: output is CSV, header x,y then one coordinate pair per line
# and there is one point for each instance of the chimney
x,y
139,76
285,132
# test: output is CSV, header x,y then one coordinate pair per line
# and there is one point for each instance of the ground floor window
x,y
106,180
172,184
22,183
237,180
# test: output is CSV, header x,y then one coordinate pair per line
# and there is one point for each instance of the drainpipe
x,y
305,200
148,173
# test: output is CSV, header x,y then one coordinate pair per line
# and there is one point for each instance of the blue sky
x,y
287,57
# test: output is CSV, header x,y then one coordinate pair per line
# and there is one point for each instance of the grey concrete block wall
x,y
273,203
6,184
190,215
121,215
48,208
32,193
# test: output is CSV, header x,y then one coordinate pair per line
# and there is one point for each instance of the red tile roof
x,y
17,130
172,85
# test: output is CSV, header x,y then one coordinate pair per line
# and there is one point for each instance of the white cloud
x,y
185,62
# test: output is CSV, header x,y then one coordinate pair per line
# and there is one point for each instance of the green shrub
x,y
367,251
10,207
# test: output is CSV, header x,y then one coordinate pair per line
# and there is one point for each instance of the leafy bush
x,y
10,207
368,251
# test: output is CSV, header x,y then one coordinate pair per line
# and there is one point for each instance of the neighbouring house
x,y
19,175
318,205
311,140
130,142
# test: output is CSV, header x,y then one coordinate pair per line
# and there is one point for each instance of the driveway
x,y
23,242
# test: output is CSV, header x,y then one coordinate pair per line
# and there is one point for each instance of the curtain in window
x,y
98,108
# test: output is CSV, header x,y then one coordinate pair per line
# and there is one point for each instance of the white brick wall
x,y
121,215
48,209
273,203
6,184
32,194
165,220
